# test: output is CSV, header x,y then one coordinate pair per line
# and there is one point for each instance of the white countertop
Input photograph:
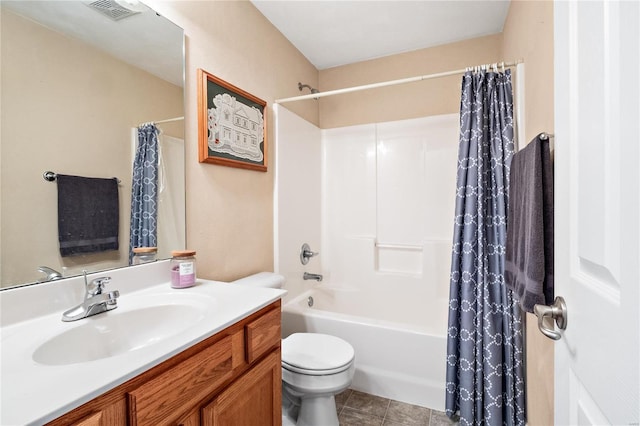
x,y
33,393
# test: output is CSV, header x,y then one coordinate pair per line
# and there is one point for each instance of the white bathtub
x,y
401,359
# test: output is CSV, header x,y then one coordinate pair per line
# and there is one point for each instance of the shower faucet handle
x,y
306,254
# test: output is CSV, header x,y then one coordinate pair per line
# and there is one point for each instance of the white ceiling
x,y
146,40
332,33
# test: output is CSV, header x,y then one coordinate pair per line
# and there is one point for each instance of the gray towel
x,y
88,214
529,249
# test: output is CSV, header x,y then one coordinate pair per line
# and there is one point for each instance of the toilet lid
x,y
315,351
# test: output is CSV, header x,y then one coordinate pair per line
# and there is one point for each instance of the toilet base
x,y
318,410
312,410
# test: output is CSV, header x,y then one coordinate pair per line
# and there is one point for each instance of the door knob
x,y
557,311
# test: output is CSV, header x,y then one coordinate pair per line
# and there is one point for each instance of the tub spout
x,y
308,276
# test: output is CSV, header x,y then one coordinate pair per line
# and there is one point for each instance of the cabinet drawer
x,y
165,398
262,334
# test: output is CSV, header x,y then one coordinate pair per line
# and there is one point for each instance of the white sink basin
x,y
118,331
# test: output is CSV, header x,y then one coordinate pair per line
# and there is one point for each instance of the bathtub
x,y
399,356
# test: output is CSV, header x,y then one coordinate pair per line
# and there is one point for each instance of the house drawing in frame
x,y
232,123
235,128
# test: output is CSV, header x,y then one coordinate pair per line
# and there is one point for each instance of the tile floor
x,y
361,409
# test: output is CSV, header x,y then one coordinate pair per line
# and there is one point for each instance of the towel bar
x,y
50,176
409,247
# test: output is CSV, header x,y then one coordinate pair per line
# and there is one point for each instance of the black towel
x,y
529,249
88,214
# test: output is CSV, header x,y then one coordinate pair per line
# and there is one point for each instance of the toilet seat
x,y
316,354
315,372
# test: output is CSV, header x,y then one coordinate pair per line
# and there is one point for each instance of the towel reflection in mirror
x,y
88,214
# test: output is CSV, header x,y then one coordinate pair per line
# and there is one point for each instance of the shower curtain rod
x,y
391,83
162,121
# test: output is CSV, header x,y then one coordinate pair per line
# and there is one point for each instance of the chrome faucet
x,y
51,274
95,300
308,276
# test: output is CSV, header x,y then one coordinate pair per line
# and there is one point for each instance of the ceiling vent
x,y
111,9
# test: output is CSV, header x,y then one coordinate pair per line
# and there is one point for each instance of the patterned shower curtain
x,y
144,190
485,377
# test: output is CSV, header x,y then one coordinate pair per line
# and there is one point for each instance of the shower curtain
x,y
144,190
485,378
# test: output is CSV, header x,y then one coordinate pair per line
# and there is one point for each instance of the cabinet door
x,y
192,419
253,399
168,396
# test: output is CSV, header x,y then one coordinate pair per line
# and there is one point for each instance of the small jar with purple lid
x,y
183,268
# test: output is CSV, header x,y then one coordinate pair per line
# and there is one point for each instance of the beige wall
x,y
419,99
68,108
230,211
528,34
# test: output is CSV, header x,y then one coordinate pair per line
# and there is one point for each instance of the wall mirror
x,y
78,77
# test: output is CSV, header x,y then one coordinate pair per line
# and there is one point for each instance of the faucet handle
x,y
96,286
306,254
51,274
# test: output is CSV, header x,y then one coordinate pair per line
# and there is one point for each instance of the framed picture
x,y
232,127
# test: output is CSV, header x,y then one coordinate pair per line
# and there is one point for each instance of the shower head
x,y
302,86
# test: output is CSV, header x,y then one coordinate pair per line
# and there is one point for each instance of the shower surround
x,y
376,201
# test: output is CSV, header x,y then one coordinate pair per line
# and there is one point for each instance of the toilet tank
x,y
262,279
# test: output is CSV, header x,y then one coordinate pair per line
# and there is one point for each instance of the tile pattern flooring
x,y
362,409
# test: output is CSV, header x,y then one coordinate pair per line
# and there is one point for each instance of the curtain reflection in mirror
x,y
144,191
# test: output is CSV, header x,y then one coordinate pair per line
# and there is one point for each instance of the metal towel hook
x,y
545,136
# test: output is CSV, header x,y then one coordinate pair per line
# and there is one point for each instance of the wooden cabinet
x,y
111,414
250,400
231,378
261,334
192,419
159,401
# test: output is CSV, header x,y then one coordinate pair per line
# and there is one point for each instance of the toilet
x,y
315,368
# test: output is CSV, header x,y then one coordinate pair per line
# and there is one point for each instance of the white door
x,y
597,193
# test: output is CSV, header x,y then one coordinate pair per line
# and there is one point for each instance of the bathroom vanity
x,y
206,355
232,377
